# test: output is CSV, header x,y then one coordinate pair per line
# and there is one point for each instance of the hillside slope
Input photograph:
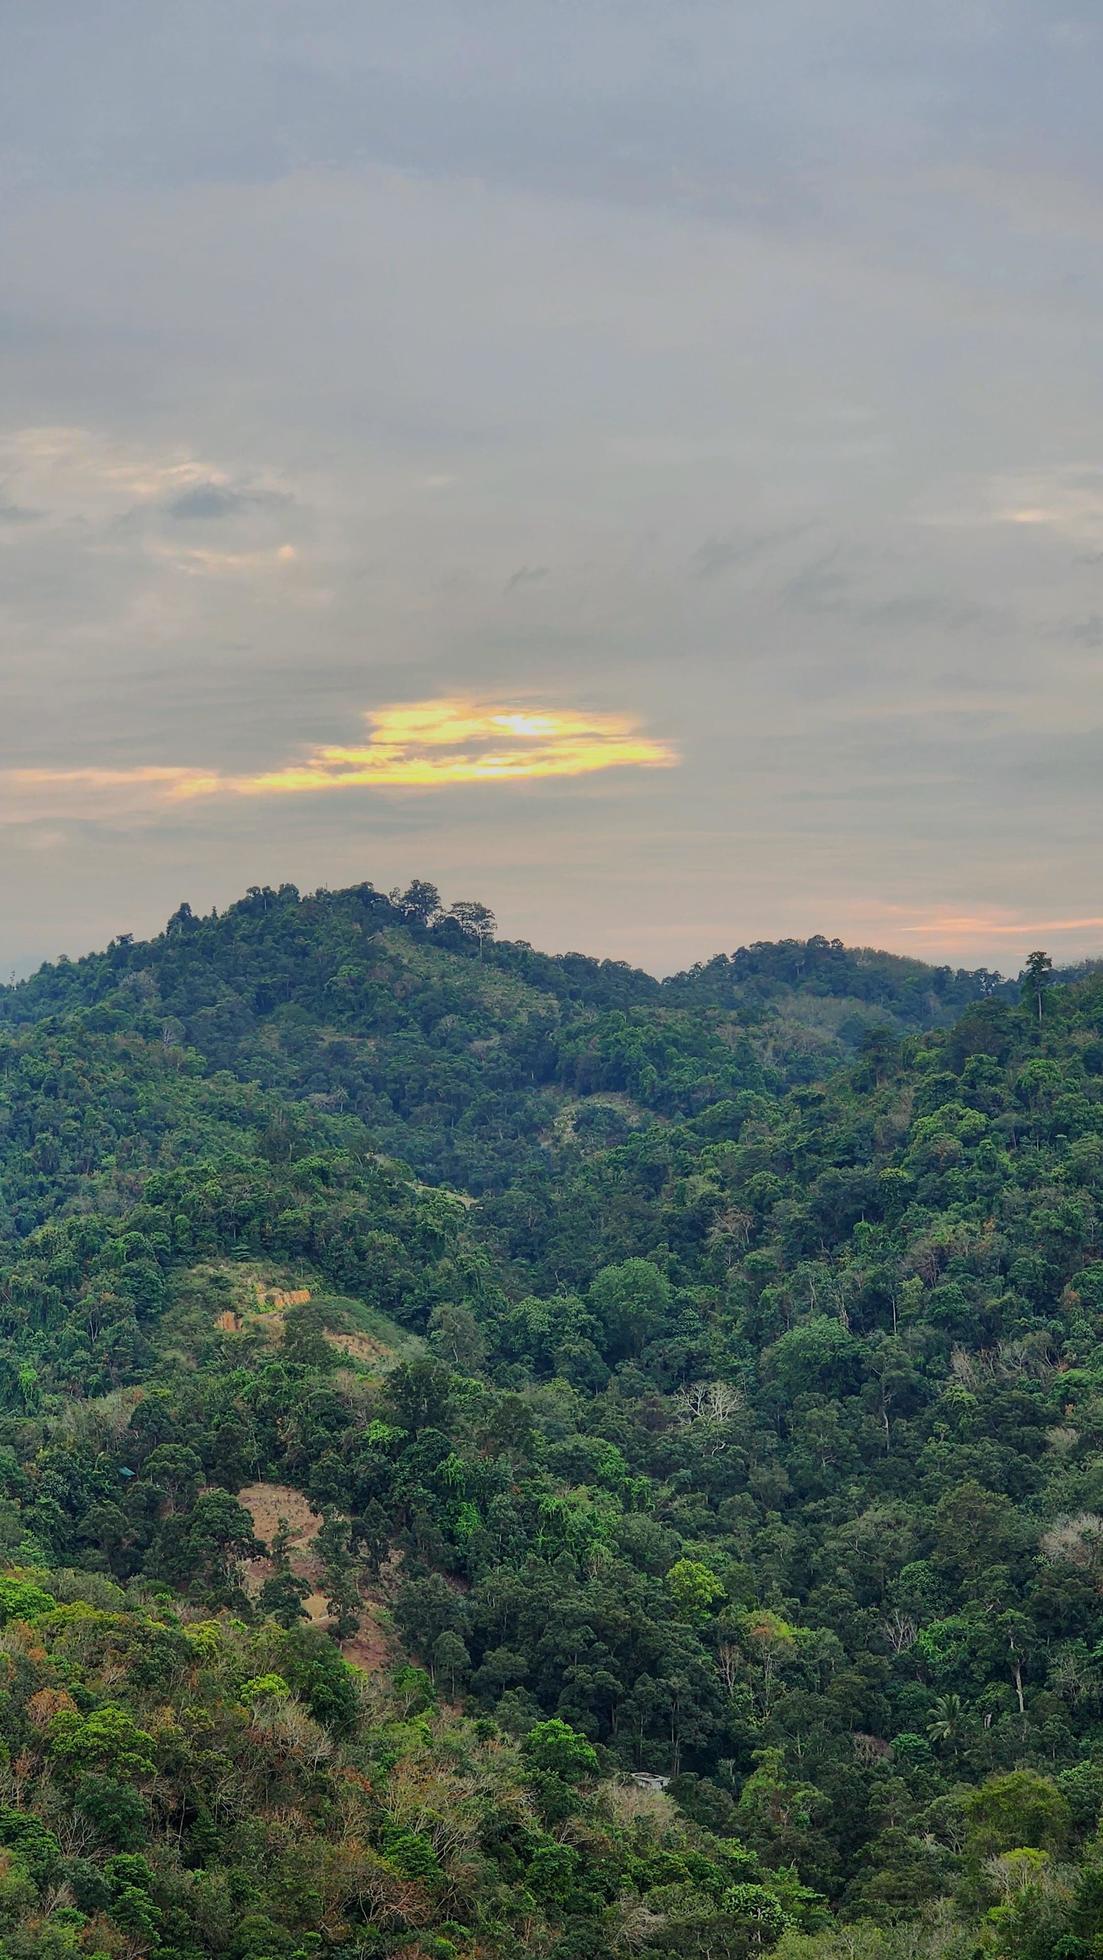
x,y
748,1424
460,1052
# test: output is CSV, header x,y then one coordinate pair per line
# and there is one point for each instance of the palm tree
x,y
947,1716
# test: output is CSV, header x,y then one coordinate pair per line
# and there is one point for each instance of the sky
x,y
638,463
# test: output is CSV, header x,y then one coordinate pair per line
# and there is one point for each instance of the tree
x,y
204,1547
420,901
177,1469
1037,976
694,1589
775,1812
455,1334
114,1813
558,1750
947,1719
333,1546
107,1740
451,1661
475,921
418,1393
820,1354
631,1301
758,1914
281,1598
1018,1809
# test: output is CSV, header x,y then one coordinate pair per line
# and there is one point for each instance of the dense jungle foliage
x,y
503,1456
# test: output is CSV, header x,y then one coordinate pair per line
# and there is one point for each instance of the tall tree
x,y
1037,976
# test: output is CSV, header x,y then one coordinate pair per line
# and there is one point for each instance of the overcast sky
x,y
636,462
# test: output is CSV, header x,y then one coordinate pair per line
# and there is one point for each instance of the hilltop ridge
x,y
400,1012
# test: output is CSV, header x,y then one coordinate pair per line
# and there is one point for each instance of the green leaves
x,y
694,1589
21,1599
107,1740
555,1749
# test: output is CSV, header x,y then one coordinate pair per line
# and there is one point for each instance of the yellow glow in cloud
x,y
427,744
412,745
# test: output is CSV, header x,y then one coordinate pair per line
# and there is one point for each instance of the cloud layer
x,y
414,745
728,371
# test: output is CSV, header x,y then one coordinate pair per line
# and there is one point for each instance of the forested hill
x,y
465,1053
502,1456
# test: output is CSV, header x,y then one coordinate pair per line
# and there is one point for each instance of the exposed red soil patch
x,y
371,1647
359,1347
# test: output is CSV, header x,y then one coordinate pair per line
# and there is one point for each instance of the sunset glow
x,y
411,745
966,927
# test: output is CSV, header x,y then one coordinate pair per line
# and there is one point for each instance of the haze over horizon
x,y
639,467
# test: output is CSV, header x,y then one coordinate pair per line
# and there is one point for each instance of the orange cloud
x,y
413,745
968,926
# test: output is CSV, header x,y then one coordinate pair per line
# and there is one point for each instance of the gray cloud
x,y
727,550
1088,632
823,585
211,500
330,331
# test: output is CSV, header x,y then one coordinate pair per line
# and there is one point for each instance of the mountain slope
x,y
460,1053
747,1423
